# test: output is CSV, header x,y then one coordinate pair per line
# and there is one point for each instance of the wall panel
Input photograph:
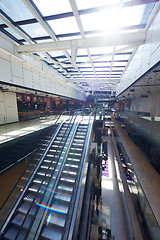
x,y
5,71
146,56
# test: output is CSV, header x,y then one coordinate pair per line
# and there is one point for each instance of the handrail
x,y
72,130
31,177
41,219
73,217
18,179
133,220
13,164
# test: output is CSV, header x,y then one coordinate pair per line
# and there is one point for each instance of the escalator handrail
x,y
4,225
38,230
57,180
73,210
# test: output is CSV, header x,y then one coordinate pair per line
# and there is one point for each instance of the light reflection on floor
x,y
11,131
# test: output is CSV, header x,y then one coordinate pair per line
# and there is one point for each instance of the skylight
x,y
34,30
56,20
16,10
83,4
64,25
52,7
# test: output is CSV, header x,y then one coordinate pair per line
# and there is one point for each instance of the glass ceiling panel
x,y
81,52
13,33
84,73
82,59
86,69
45,40
117,68
108,21
103,72
102,58
124,46
34,30
64,25
42,55
117,77
131,15
119,64
121,57
119,18
89,74
68,38
15,9
74,73
56,53
102,50
100,64
86,65
102,68
129,30
101,21
96,34
83,4
52,7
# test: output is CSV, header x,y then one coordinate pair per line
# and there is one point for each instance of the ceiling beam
x,y
98,81
30,5
80,26
113,40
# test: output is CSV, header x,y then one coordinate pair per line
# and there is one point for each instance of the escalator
x,y
48,205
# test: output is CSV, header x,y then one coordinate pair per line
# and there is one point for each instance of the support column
x,y
136,105
154,105
67,105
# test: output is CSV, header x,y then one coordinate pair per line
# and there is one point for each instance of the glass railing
x,y
143,123
11,128
146,216
29,162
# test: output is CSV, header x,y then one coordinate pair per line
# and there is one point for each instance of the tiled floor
x,y
112,214
13,130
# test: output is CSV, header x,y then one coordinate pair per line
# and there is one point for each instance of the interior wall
x,y
30,72
145,104
158,106
141,104
146,56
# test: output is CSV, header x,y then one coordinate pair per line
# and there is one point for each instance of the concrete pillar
x,y
154,105
136,105
158,106
67,105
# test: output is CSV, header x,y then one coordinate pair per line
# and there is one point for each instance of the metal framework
x,y
90,58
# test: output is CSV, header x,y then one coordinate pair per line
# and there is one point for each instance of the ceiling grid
x,y
89,42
